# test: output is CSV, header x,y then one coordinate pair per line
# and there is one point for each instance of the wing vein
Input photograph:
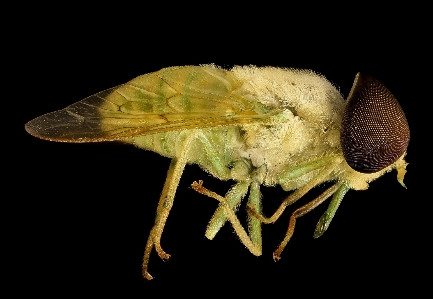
x,y
141,89
117,90
107,100
96,107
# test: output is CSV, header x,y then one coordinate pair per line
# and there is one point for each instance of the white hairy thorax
x,y
308,128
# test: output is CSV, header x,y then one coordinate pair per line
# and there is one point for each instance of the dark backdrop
x,y
85,210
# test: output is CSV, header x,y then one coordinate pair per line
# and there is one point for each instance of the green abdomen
x,y
213,150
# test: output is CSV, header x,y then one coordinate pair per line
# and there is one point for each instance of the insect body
x,y
256,126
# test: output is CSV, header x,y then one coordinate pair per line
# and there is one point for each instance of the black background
x,y
84,211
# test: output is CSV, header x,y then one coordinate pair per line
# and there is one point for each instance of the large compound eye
x,y
374,131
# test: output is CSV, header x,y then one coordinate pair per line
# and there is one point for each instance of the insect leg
x,y
240,231
164,205
233,199
235,195
319,178
301,212
326,218
254,224
305,168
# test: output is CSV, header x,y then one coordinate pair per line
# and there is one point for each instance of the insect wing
x,y
170,99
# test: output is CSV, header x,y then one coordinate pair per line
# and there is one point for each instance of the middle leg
x,y
254,244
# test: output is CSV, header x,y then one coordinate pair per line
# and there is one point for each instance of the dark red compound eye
x,y
374,131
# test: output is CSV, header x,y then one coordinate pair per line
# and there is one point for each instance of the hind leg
x,y
165,204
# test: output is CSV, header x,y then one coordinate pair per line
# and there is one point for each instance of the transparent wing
x,y
171,99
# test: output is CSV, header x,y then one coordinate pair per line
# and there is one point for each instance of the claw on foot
x,y
161,253
197,185
147,275
164,256
276,256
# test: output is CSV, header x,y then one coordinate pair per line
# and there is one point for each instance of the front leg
x,y
327,166
321,177
301,212
165,204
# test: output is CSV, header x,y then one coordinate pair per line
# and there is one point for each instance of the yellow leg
x,y
233,198
164,206
301,212
322,176
240,231
254,224
296,195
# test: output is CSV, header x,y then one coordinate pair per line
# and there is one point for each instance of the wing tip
x,y
41,127
48,128
33,128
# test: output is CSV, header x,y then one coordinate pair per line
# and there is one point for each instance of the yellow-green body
x,y
257,126
304,117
